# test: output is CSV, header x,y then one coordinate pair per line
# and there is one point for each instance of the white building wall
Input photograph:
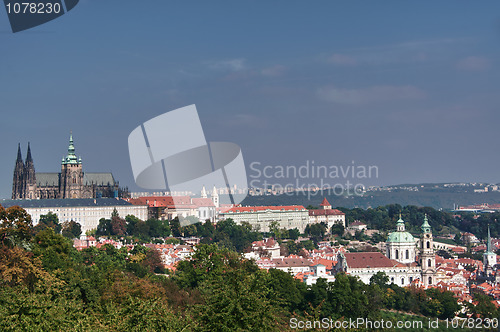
x,y
88,216
262,219
330,220
399,276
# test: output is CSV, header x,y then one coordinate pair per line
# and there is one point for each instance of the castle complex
x,y
71,182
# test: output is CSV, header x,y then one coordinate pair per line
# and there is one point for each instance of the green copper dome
x,y
400,237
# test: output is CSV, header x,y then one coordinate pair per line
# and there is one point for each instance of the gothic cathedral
x,y
71,182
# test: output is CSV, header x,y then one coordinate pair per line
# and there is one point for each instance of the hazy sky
x,y
411,87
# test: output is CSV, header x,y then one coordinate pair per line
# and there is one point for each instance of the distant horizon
x,y
140,190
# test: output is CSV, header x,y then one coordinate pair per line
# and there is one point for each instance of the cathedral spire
x,y
71,157
71,147
28,154
19,155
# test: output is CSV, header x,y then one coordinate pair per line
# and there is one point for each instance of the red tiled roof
x,y
203,202
264,208
328,212
479,247
329,264
356,260
268,243
357,223
170,202
291,262
325,202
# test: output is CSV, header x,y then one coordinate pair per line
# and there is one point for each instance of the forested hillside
x,y
47,285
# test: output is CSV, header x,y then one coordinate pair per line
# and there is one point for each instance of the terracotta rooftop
x,y
329,212
356,260
357,223
203,202
264,208
164,201
291,262
325,202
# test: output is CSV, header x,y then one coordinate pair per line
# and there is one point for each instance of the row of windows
x,y
407,255
402,280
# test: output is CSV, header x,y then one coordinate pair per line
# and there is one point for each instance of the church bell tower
x,y
427,255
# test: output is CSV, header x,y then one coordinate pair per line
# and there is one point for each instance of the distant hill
x,y
437,197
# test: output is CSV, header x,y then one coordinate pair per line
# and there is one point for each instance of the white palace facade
x,y
85,211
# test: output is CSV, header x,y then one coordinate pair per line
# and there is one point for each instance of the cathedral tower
x,y
17,182
427,256
71,184
29,176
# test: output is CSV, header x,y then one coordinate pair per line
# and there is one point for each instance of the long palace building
x,y
71,182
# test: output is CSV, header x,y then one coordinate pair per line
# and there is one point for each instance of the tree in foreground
x,y
15,226
235,291
49,220
71,229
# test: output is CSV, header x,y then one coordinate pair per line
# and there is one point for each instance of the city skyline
x,y
408,88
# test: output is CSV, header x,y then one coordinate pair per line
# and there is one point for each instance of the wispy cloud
x,y
405,52
246,120
232,64
374,94
273,71
474,63
342,60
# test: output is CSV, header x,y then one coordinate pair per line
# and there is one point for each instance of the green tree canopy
x,y
49,220
71,229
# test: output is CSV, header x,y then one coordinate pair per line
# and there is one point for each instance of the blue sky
x,y
411,87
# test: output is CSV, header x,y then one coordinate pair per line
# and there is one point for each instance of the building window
x,y
402,281
430,280
397,254
407,254
428,244
411,279
429,263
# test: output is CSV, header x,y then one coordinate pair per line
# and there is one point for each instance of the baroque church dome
x,y
400,236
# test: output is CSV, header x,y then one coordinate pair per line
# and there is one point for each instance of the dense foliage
x,y
46,284
133,227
